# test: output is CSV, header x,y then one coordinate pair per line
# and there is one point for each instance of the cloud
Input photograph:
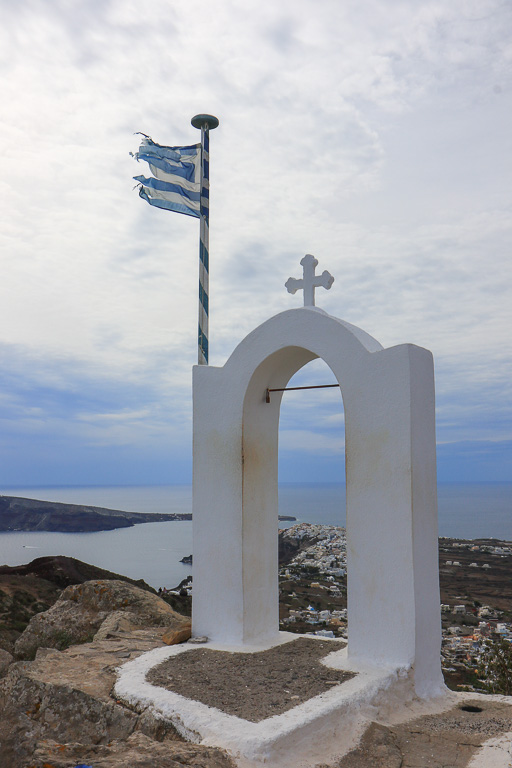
x,y
120,416
310,442
372,134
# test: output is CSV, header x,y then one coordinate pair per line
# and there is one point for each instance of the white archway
x,y
388,396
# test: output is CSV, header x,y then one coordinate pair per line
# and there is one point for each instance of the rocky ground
x,y
447,740
57,675
58,710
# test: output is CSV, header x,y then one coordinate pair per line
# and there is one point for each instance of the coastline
x,y
466,509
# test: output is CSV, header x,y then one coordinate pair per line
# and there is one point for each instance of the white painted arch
x,y
388,396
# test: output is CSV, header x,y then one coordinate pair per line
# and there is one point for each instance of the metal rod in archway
x,y
288,389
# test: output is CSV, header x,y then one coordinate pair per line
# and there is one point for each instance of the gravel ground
x,y
447,740
472,717
252,686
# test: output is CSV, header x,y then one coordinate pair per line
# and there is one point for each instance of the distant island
x,y
18,514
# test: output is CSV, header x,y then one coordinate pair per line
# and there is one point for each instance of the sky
x,y
374,135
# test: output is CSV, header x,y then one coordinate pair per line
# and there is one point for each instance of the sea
x,y
152,551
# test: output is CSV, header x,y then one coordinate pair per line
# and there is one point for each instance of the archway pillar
x,y
392,539
218,600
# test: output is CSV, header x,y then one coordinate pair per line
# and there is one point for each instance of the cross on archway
x,y
309,280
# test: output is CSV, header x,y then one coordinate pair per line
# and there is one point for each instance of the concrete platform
x,y
315,731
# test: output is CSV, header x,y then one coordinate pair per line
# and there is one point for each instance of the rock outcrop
x,y
63,571
29,589
82,609
58,710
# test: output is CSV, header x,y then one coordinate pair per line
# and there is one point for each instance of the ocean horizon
x,y
153,551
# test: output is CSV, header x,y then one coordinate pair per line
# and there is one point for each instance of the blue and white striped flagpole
x,y
205,123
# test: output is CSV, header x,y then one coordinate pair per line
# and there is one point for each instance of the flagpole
x,y
206,123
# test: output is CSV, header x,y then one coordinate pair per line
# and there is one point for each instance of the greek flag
x,y
176,182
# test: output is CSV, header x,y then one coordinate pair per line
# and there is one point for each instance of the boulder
x,y
180,635
80,612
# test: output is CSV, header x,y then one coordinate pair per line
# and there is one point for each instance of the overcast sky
x,y
375,135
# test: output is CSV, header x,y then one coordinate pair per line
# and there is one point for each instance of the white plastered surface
x,y
316,731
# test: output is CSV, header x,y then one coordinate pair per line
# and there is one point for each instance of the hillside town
x,y
475,588
313,596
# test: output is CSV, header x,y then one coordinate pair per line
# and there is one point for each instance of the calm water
x,y
153,551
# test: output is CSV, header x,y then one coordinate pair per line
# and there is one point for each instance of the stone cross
x,y
309,280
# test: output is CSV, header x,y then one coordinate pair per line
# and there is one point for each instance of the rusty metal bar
x,y
288,389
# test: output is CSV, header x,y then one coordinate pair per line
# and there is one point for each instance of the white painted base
x,y
316,731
